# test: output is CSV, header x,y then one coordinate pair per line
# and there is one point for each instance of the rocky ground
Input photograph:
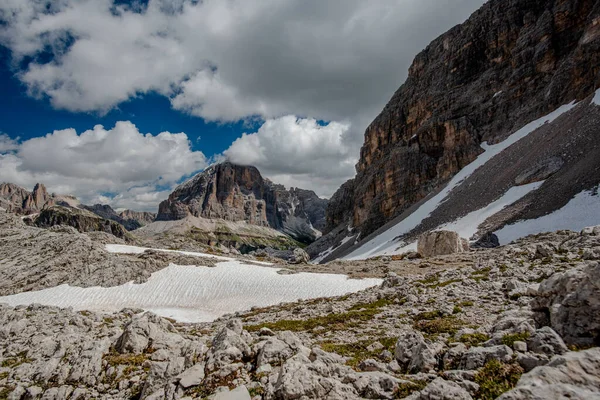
x,y
32,258
520,321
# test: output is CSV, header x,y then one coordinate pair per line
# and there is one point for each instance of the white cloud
x,y
8,144
335,60
292,150
139,169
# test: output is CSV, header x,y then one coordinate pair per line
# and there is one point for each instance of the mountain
x,y
131,220
16,199
140,217
480,92
239,193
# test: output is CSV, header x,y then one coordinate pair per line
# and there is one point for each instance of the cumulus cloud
x,y
7,143
120,166
292,150
336,60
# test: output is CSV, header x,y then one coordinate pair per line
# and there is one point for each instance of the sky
x,y
117,101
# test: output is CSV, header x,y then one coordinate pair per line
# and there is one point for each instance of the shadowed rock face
x,y
510,63
131,220
240,193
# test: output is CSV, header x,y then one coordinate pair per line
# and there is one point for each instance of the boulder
x,y
572,302
438,243
413,353
487,241
476,357
299,257
574,376
145,330
546,341
192,376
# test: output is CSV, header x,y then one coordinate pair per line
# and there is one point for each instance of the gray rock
x,y
520,346
413,353
239,393
546,341
439,243
192,376
574,375
476,357
441,389
572,301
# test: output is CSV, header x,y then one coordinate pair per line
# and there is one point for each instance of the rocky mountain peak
x,y
240,193
17,199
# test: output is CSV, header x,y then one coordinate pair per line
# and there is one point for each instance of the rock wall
x,y
511,62
16,199
240,193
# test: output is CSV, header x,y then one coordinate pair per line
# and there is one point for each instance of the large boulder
x,y
571,301
574,376
413,353
439,243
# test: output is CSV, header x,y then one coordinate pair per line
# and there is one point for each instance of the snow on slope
x,y
387,242
596,99
126,249
467,225
582,211
195,294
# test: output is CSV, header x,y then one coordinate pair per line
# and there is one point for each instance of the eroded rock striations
x,y
240,193
508,64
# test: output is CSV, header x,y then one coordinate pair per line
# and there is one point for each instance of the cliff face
x,y
18,200
239,193
510,63
140,217
81,220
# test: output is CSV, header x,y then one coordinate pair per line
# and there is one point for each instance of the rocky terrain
x,y
33,258
514,322
131,220
239,193
509,64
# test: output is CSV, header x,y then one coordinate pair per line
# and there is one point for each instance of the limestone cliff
x,y
16,199
511,62
240,193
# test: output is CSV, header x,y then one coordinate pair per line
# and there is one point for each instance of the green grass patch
x,y
496,378
511,338
360,312
428,315
466,303
19,359
357,351
406,389
473,339
482,274
436,326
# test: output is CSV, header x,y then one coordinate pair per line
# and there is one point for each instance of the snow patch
x,y
198,294
467,225
581,211
386,241
596,99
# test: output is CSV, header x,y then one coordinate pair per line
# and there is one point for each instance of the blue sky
x,y
287,86
25,117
